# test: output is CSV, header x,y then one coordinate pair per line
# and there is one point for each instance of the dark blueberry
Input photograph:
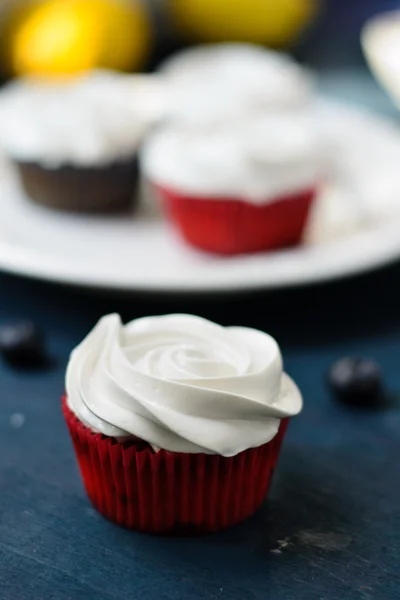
x,y
357,381
22,344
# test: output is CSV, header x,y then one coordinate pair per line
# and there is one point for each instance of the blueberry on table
x,y
22,344
356,381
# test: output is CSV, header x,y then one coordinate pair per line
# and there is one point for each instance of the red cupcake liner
x,y
232,226
171,493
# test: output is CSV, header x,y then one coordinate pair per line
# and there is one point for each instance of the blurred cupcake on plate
x,y
75,141
238,187
206,82
177,422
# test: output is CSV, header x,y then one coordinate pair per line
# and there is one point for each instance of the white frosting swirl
x,y
255,159
215,81
181,383
90,120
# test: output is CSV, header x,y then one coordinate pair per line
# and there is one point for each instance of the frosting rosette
x,y
181,383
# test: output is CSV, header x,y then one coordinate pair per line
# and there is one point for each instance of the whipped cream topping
x,y
215,81
88,120
255,159
181,383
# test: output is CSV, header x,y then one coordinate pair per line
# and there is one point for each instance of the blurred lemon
x,y
56,37
273,22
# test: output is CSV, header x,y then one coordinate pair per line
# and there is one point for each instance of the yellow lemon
x,y
128,35
272,22
60,37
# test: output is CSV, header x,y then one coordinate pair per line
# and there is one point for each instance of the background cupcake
x,y
75,141
207,82
237,186
177,422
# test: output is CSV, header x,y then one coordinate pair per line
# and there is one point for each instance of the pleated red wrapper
x,y
171,493
230,226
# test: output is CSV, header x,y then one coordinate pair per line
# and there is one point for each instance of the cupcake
x,y
206,82
74,142
240,186
177,422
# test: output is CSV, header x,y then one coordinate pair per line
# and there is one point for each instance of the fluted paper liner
x,y
171,493
106,188
232,226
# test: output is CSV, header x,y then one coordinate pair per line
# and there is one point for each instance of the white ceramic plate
x,y
355,227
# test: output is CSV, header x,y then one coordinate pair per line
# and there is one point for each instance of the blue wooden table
x,y
330,528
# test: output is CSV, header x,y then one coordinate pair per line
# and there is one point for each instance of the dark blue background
x,y
334,39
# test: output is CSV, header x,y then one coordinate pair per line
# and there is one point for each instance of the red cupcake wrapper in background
x,y
171,493
232,226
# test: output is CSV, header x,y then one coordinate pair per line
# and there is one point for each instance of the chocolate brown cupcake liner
x,y
81,189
